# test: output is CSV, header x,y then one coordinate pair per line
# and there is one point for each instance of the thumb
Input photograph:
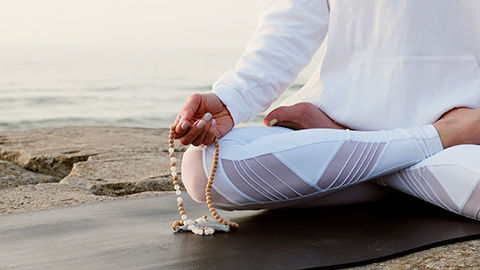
x,y
275,116
190,108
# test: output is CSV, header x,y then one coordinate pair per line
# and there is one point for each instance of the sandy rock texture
x,y
55,167
12,175
110,161
43,196
463,255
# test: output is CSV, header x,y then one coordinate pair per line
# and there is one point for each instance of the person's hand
x,y
303,115
203,118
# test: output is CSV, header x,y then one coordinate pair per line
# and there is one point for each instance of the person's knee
x,y
193,175
464,155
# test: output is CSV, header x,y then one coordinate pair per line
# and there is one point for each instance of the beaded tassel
x,y
200,226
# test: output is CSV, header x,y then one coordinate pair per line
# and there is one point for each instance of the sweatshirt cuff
x,y
234,102
434,144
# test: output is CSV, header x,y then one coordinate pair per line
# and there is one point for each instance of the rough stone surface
x,y
12,175
111,161
120,176
98,161
43,196
463,255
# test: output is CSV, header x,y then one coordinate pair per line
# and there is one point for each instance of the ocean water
x,y
137,86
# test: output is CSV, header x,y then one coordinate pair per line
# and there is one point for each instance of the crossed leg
x,y
273,167
276,167
449,179
195,180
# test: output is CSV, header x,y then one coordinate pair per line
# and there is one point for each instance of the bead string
x,y
195,226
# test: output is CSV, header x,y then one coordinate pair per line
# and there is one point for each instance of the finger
x,y
185,119
290,125
270,119
193,133
210,134
181,128
199,139
270,122
189,109
179,118
276,116
196,132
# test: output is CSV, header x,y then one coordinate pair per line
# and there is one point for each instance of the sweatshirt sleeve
x,y
289,33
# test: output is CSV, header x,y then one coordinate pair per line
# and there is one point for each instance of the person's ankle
x,y
444,133
459,126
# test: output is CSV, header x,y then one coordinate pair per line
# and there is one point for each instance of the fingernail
x,y
201,124
214,122
273,122
180,120
208,116
184,125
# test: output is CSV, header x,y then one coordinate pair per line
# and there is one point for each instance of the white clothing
x,y
272,167
388,64
411,60
449,179
262,167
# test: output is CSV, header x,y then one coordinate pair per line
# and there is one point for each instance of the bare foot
x,y
459,126
303,115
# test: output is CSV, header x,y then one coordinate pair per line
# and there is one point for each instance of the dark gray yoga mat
x,y
137,234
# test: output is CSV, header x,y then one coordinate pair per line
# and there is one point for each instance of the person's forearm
x,y
288,35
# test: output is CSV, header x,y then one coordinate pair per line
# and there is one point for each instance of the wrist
x,y
234,103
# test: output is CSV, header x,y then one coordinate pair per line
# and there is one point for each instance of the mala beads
x,y
201,226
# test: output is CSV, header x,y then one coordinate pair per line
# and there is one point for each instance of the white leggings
x,y
273,167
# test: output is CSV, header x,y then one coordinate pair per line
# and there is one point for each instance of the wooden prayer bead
x,y
208,194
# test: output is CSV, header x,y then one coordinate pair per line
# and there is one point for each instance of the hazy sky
x,y
128,22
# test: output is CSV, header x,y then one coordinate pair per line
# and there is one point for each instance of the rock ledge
x,y
106,161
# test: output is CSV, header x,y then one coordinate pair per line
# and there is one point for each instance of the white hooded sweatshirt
x,y
388,63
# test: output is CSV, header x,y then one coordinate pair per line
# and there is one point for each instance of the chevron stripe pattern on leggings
x,y
449,179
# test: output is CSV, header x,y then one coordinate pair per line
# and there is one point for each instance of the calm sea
x,y
64,85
